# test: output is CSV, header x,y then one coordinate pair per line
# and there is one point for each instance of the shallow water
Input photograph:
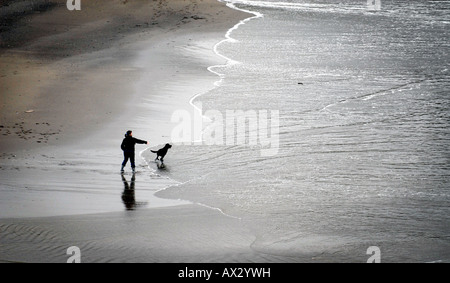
x,y
363,157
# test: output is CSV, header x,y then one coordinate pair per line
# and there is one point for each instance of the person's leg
x,y
133,165
125,160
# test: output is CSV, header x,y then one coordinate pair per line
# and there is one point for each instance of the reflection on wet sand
x,y
128,194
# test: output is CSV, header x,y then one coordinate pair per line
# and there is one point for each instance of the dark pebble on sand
x,y
195,17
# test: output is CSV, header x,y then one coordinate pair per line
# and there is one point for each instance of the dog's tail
x,y
153,151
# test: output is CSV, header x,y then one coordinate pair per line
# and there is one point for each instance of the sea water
x,y
363,159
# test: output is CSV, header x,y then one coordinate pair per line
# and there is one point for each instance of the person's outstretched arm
x,y
140,141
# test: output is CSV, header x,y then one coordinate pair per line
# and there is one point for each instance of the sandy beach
x,y
72,83
359,111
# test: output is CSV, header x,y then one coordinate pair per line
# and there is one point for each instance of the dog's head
x,y
168,146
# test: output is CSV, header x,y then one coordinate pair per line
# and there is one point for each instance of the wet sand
x,y
71,84
185,234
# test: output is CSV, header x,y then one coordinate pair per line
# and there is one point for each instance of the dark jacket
x,y
128,143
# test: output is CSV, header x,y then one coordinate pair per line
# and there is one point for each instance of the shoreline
x,y
61,184
68,152
227,38
82,85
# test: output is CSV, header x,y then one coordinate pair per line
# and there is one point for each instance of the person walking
x,y
127,146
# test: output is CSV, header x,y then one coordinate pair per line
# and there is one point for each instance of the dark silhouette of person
x,y
128,196
127,146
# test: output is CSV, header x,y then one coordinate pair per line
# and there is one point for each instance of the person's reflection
x,y
128,196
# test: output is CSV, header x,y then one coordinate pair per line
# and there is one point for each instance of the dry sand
x,y
71,84
65,74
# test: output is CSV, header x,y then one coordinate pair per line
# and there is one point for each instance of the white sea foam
x,y
229,61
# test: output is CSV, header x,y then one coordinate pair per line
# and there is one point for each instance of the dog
x,y
162,152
